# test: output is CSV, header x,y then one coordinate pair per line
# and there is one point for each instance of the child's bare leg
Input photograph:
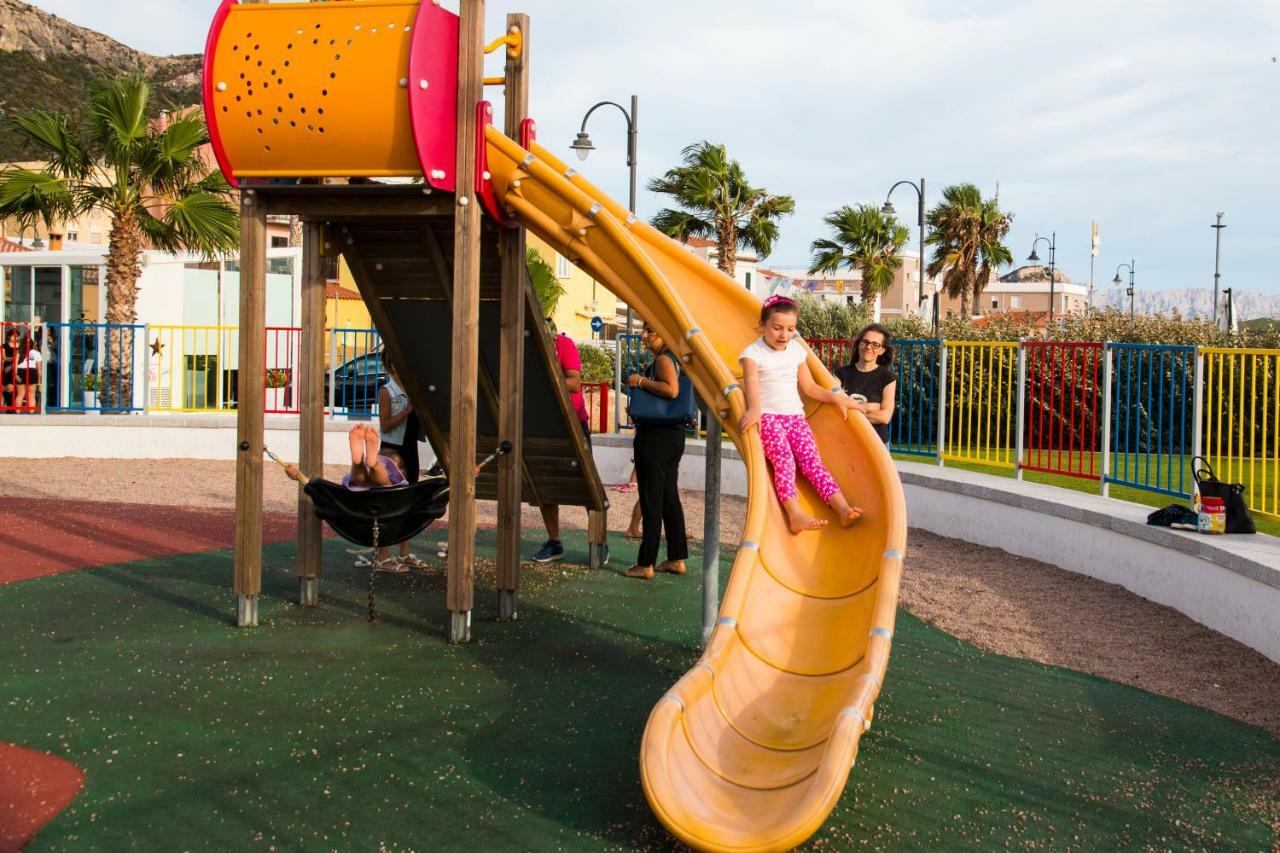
x,y
377,473
633,529
846,513
798,520
356,439
359,475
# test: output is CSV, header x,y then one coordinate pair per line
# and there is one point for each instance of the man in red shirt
x,y
571,367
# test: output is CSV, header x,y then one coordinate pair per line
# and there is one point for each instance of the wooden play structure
x,y
300,94
312,108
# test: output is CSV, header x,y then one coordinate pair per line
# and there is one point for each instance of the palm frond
x,y
118,116
56,136
681,225
31,196
199,222
171,159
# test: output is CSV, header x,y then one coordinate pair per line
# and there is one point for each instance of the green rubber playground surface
x,y
317,731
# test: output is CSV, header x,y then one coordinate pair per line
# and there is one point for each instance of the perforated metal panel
x,y
313,89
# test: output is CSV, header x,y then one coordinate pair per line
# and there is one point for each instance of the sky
x,y
1147,117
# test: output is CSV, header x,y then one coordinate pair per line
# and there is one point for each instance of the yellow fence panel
x,y
1241,429
982,403
192,368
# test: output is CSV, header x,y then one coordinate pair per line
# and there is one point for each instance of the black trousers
x,y
657,452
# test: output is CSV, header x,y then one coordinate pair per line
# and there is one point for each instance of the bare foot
x,y
799,522
850,517
356,437
372,442
633,534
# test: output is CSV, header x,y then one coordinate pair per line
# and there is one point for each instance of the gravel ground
x,y
1011,605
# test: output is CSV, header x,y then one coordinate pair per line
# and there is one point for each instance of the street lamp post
x,y
583,146
1116,280
1217,257
888,210
1052,240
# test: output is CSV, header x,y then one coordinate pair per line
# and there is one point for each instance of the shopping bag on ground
x,y
1232,494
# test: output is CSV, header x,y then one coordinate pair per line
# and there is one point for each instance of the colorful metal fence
x,y
1242,422
596,396
1152,422
1062,409
91,368
832,352
356,372
980,396
913,429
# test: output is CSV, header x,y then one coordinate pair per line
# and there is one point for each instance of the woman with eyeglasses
x,y
869,378
658,449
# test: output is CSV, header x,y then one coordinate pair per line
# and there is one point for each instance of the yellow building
x,y
583,297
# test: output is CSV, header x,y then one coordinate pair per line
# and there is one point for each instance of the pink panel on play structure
x,y
433,93
206,87
484,182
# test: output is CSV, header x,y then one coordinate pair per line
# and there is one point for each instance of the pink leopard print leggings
x,y
787,440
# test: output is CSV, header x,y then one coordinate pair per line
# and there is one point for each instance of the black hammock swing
x,y
383,515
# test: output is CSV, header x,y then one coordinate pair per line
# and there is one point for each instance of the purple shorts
x,y
393,473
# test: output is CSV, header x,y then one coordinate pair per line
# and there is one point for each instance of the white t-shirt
x,y
33,359
779,376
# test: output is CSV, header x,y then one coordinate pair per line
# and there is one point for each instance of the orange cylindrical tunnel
x,y
354,88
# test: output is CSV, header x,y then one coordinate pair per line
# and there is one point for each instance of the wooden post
x,y
511,352
311,420
466,328
597,534
250,403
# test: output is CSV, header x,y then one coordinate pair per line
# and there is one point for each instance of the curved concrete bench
x,y
1228,583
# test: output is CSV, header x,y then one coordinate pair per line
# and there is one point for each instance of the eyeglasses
x,y
871,344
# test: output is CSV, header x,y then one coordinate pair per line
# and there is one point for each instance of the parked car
x,y
356,383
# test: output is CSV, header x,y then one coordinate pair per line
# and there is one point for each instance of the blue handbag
x,y
648,409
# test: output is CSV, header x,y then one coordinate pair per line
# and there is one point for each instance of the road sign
x,y
597,325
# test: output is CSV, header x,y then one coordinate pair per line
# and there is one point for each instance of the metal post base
x,y
308,591
506,605
598,555
460,627
247,611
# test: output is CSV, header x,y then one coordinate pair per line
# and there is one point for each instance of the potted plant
x,y
92,382
278,381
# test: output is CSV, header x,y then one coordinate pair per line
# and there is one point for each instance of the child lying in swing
x,y
369,469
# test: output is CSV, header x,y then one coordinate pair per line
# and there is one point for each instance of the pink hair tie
x,y
777,299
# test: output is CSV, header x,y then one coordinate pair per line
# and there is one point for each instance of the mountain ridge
x,y
49,63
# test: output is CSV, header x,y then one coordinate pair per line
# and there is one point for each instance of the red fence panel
x,y
281,379
596,395
1064,408
832,352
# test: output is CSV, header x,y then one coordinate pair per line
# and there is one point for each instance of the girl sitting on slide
x,y
774,373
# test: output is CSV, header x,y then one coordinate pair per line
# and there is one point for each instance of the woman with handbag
x,y
660,413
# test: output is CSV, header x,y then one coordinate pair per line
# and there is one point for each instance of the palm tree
x,y
865,240
153,183
967,232
718,204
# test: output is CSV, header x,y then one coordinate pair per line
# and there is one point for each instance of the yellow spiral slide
x,y
750,750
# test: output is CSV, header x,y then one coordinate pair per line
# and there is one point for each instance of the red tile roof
x,y
7,245
333,290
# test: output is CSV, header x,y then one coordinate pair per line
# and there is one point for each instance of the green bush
x,y
820,318
1111,325
597,363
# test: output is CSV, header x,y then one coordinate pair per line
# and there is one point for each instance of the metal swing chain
x,y
373,570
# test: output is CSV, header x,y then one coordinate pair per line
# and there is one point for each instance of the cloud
x,y
1146,116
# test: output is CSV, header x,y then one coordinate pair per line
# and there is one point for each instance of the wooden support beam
x,y
511,348
311,420
389,202
251,402
597,536
466,328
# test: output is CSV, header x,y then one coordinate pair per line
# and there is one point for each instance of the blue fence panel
x,y
94,367
357,374
913,430
635,359
1152,417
